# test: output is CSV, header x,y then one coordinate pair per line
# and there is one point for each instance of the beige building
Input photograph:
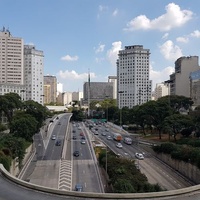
x,y
51,82
47,94
180,82
11,59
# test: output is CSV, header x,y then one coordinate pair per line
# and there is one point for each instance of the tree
x,y
8,103
24,126
177,122
36,110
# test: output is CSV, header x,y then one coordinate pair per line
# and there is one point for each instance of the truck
x,y
117,137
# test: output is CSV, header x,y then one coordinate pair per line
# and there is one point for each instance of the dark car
x,y
58,142
76,153
74,137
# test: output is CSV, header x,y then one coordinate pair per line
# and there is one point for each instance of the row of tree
x,y
24,120
170,114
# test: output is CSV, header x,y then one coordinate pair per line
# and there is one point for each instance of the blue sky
x,y
85,35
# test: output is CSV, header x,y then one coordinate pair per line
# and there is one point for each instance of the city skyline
x,y
78,37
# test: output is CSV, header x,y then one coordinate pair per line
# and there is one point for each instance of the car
x,y
78,187
57,117
74,137
51,121
119,145
53,137
81,134
139,156
83,141
74,131
59,123
107,129
76,153
58,142
109,137
83,137
103,133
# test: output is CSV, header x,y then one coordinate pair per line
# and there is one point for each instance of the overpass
x,y
14,188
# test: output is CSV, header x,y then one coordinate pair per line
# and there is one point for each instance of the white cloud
x,y
69,58
160,76
112,54
99,60
182,39
170,51
115,12
73,75
102,8
174,17
100,48
165,36
196,34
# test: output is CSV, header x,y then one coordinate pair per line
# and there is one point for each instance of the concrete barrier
x,y
153,195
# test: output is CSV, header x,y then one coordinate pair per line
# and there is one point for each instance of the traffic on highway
x,y
65,157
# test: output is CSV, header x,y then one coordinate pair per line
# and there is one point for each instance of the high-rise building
x,y
11,64
180,82
77,96
51,81
133,84
11,59
33,73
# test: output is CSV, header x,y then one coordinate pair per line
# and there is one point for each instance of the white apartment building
x,y
33,75
161,90
133,84
67,98
113,79
180,82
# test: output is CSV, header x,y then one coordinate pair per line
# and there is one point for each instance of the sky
x,y
84,36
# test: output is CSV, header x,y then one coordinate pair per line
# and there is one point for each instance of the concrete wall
x,y
14,169
187,169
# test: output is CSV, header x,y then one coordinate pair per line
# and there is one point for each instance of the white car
x,y
119,145
53,137
139,156
109,137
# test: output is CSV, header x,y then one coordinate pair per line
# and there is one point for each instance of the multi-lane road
x,y
55,166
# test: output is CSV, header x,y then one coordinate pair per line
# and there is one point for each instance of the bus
x,y
127,140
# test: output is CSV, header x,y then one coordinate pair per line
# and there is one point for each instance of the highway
x,y
155,170
55,166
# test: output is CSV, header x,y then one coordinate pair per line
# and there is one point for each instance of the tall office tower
x,y
51,82
133,84
180,83
33,73
113,79
11,58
